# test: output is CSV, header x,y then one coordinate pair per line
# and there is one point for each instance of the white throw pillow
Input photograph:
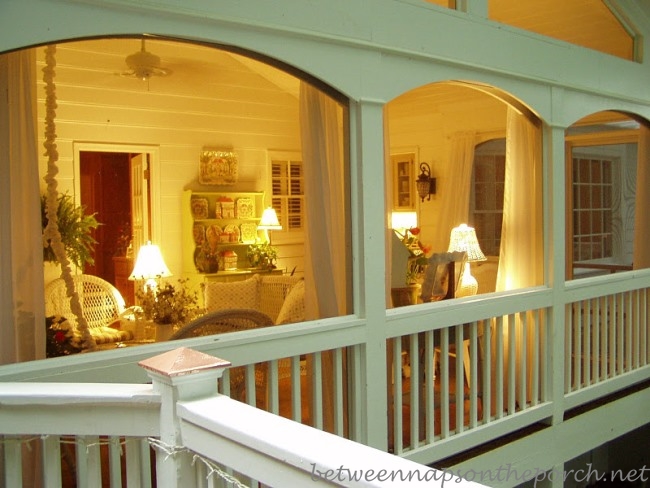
x,y
234,294
293,308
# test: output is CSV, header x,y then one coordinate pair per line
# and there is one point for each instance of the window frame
x,y
286,235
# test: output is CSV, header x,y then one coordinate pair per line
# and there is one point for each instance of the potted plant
x,y
262,255
76,229
168,307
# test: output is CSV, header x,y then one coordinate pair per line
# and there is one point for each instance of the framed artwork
x,y
437,279
199,208
245,208
403,181
248,232
218,168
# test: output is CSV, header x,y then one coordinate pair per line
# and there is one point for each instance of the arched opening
x,y
484,150
606,157
179,103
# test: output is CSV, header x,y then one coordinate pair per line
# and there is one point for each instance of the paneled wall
x,y
428,118
211,99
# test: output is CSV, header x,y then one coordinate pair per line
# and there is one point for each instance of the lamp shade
x,y
269,220
463,238
403,220
149,264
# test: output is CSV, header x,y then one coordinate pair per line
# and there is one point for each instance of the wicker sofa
x,y
279,297
101,303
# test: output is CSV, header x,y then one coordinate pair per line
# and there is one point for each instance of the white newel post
x,y
178,375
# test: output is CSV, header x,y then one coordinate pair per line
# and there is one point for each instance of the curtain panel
x,y
326,251
21,262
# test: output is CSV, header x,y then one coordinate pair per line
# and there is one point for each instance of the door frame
x,y
153,153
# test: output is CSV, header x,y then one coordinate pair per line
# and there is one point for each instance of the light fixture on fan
x,y
143,65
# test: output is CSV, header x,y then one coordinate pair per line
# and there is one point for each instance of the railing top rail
x,y
462,310
313,454
16,394
597,286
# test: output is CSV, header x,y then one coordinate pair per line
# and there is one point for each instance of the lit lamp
x,y
425,185
269,221
463,238
149,266
402,221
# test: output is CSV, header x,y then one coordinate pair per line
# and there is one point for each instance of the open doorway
x,y
115,187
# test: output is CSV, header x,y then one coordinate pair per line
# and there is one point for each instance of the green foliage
x,y
262,255
75,227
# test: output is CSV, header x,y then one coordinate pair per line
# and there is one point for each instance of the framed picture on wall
x,y
403,166
218,168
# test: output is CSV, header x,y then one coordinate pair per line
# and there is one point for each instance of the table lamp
x,y
149,266
269,221
463,238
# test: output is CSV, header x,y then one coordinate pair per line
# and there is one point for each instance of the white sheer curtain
x,y
326,252
641,250
454,190
521,254
22,319
326,245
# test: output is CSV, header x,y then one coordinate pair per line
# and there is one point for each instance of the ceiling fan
x,y
143,65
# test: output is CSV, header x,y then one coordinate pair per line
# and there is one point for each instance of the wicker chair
x,y
265,294
222,321
232,320
101,303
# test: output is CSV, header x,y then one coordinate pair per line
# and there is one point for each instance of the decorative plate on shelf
x,y
233,232
245,208
218,168
199,233
248,232
199,208
213,235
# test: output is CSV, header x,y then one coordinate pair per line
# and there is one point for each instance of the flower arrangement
x,y
61,337
169,304
418,260
262,255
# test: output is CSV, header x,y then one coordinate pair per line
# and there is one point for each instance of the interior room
x,y
139,120
421,230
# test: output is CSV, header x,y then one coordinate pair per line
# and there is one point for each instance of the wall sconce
x,y
425,185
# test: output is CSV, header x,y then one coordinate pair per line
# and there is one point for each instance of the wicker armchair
x,y
101,303
232,320
222,321
266,294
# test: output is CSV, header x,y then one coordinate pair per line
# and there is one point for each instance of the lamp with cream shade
x,y
269,221
149,266
463,238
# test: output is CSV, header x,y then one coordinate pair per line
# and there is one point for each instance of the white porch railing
x,y
457,374
607,341
469,377
200,438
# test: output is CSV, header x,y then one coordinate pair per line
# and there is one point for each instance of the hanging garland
x,y
212,469
51,232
